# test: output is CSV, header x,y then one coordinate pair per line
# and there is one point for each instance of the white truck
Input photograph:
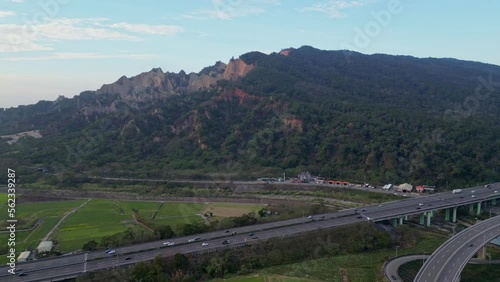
x,y
456,191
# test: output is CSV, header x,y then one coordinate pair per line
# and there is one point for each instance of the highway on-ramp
x,y
447,262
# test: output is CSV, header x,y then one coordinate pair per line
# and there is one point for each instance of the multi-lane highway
x,y
73,265
447,262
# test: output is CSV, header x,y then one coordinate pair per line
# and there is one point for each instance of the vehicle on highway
x,y
251,234
421,204
225,242
233,233
310,217
204,244
359,216
128,258
108,250
473,196
487,186
22,274
495,191
456,191
473,191
111,252
418,208
194,239
167,243
255,237
227,231
471,244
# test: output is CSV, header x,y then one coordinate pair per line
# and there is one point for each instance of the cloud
x,y
77,56
334,7
6,13
42,35
148,29
229,9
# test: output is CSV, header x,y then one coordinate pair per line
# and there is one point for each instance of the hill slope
x,y
377,118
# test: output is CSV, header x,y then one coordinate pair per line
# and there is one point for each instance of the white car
x,y
204,244
168,243
421,204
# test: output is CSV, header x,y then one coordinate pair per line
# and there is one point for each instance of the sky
x,y
50,48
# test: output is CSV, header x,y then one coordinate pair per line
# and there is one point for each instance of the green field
x,y
41,209
265,278
99,218
172,213
352,267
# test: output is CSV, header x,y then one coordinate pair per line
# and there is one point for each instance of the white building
x,y
23,256
387,187
45,246
405,187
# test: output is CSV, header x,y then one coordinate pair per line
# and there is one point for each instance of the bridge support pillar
x,y
422,218
454,217
478,212
447,214
471,208
429,219
394,222
401,221
494,201
406,217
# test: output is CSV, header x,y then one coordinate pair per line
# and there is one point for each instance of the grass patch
x,y
172,213
354,267
41,209
98,218
231,209
264,278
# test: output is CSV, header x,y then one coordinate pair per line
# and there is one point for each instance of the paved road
x,y
72,264
447,262
391,267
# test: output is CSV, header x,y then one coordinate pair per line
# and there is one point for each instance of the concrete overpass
x,y
447,262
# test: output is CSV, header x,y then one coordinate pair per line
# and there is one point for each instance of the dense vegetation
x,y
375,118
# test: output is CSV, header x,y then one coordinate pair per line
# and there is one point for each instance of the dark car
x,y
227,231
359,216
225,242
251,234
128,258
471,244
22,274
255,237
418,208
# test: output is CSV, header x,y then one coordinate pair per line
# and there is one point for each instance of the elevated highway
x,y
447,262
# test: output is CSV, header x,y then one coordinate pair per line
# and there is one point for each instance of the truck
x,y
456,191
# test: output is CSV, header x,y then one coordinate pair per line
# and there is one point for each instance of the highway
x,y
447,262
63,266
74,265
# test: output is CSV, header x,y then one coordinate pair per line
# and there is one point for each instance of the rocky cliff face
x,y
156,84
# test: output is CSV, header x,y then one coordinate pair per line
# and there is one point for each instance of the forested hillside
x,y
340,114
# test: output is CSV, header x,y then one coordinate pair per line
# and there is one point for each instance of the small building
x,y
45,246
405,187
387,187
23,256
305,176
420,188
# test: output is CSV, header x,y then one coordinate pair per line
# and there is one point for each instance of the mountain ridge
x,y
298,109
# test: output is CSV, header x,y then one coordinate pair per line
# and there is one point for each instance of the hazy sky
x,y
64,47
